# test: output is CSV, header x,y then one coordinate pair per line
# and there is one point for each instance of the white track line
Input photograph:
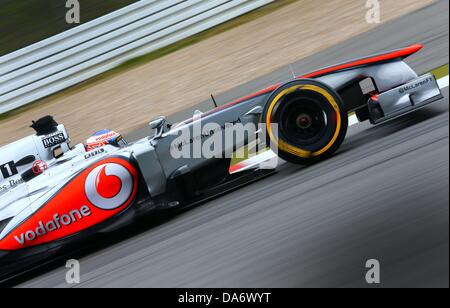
x,y
443,82
352,120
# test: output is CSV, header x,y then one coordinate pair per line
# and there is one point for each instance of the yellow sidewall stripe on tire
x,y
290,148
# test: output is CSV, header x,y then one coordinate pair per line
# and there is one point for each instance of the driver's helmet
x,y
103,138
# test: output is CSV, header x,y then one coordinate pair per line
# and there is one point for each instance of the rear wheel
x,y
306,121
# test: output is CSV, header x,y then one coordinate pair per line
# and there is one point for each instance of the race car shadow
x,y
369,133
100,242
90,246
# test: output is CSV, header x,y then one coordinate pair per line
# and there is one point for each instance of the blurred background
x,y
138,63
23,23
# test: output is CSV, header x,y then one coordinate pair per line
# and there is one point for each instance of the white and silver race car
x,y
54,196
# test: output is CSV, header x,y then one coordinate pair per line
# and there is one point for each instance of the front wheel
x,y
306,121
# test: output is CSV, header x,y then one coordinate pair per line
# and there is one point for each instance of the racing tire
x,y
311,121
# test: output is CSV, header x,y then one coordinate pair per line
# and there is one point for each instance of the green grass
x,y
440,71
24,22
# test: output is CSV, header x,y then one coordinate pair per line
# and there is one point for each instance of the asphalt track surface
x,y
383,196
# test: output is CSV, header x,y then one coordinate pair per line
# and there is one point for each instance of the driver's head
x,y
105,137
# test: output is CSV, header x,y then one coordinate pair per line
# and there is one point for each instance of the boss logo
x,y
109,186
53,140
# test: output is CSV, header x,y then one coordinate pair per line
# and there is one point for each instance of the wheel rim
x,y
305,122
311,95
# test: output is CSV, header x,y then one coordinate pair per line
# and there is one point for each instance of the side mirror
x,y
158,124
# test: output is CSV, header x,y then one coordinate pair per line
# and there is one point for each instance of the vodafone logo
x,y
106,136
109,186
93,196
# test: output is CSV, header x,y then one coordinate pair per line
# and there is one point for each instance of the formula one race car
x,y
62,195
